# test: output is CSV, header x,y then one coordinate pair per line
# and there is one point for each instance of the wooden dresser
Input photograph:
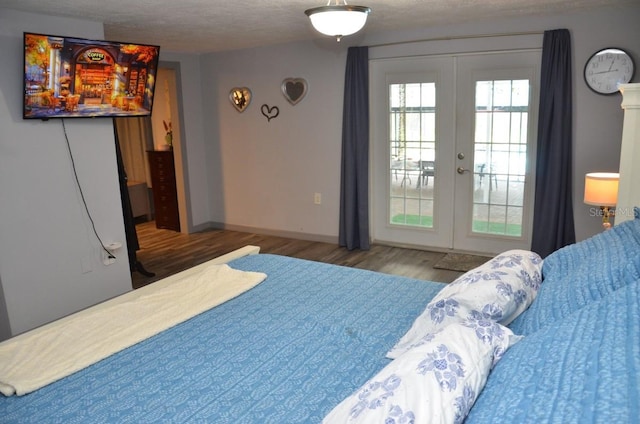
x,y
165,197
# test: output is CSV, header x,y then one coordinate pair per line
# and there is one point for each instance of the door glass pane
x,y
500,151
412,144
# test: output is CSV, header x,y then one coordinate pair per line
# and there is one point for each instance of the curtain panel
x,y
136,137
354,187
553,225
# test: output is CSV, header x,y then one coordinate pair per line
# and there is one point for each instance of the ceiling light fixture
x,y
338,20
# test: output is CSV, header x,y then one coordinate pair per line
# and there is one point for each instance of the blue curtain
x,y
553,225
354,186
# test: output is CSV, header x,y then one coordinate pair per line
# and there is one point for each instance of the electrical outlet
x,y
108,258
317,198
109,252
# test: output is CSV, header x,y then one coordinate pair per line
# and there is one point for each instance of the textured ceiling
x,y
215,25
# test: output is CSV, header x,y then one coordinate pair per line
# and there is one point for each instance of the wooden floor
x,y
166,252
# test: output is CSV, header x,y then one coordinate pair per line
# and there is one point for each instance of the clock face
x,y
607,69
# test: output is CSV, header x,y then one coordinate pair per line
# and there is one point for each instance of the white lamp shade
x,y
601,188
338,21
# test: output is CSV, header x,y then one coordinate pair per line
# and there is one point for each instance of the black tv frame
x,y
71,77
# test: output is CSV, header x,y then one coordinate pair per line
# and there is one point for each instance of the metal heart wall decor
x,y
270,112
294,89
240,98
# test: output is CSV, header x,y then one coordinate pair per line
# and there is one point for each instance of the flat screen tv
x,y
66,77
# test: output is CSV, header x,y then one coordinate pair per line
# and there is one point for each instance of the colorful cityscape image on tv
x,y
74,77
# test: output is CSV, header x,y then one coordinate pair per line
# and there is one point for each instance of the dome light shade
x,y
339,20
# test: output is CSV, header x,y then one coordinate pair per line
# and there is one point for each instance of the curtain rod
x,y
458,37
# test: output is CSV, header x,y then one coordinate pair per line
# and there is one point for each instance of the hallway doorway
x,y
162,132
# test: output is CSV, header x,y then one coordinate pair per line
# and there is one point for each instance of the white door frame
x,y
511,65
415,69
441,69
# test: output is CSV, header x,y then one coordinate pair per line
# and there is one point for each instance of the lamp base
x,y
606,213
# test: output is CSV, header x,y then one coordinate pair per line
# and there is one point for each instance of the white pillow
x,y
500,290
436,381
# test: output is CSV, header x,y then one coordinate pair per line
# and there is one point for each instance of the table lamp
x,y
601,189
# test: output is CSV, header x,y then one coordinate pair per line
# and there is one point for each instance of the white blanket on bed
x,y
40,357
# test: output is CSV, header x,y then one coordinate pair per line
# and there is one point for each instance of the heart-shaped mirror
x,y
294,89
240,98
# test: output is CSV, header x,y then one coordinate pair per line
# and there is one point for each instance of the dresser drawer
x,y
165,198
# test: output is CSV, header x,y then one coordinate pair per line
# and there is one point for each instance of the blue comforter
x,y
286,351
580,360
585,369
295,346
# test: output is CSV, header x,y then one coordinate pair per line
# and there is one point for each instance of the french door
x,y
453,148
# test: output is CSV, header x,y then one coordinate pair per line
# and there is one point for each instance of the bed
x,y
312,342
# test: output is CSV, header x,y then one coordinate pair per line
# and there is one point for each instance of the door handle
x,y
462,170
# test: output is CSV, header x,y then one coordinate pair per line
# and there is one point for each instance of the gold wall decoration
x,y
240,98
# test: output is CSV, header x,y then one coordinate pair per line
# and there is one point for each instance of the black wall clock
x,y
606,69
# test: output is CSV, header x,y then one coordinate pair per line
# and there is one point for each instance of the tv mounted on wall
x,y
67,77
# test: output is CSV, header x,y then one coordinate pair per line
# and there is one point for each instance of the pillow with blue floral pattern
x,y
436,381
500,289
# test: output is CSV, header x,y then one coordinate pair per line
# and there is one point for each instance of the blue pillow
x,y
581,273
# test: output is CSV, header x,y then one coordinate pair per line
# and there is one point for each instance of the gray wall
x,y
50,260
263,174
